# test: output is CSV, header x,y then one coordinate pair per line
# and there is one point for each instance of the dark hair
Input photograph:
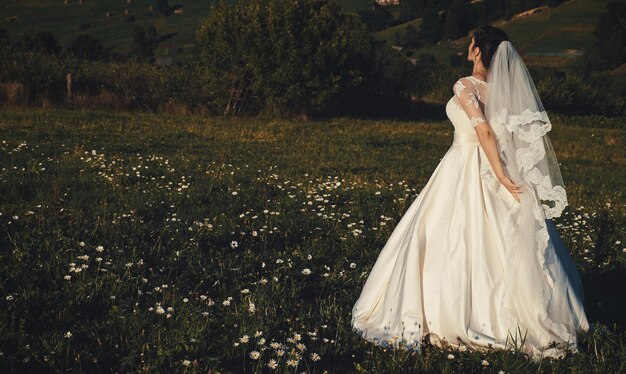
x,y
487,39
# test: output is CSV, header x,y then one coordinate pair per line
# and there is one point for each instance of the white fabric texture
x,y
465,263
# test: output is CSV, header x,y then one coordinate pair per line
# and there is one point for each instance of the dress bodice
x,y
473,91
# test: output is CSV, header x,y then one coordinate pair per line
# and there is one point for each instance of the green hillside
x,y
552,37
64,20
549,38
388,33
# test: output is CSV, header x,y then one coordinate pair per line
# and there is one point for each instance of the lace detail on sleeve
x,y
474,121
468,97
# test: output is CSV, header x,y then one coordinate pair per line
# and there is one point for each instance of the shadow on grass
x,y
604,297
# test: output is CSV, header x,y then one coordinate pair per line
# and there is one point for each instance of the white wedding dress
x,y
443,271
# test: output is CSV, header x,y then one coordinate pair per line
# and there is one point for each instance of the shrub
x,y
298,57
573,95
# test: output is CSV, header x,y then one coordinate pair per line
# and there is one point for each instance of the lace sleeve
x,y
466,93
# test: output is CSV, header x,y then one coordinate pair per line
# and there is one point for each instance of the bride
x,y
476,262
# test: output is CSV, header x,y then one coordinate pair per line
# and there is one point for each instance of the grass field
x,y
142,242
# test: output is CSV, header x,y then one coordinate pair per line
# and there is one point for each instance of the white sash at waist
x,y
465,138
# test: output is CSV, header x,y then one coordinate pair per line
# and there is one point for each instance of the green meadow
x,y
136,242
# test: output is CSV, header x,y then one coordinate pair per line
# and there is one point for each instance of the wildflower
x,y
352,265
315,357
251,307
272,364
255,355
186,362
244,339
450,356
258,333
226,302
292,362
159,310
234,244
485,362
99,248
68,335
261,341
297,336
306,271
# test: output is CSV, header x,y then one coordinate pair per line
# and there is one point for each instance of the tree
x,y
144,43
377,19
87,47
397,37
610,33
432,26
411,37
163,7
457,20
410,9
46,42
292,57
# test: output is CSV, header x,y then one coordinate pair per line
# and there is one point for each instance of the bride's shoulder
x,y
461,84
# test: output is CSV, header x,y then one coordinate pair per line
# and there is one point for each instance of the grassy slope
x,y
543,38
388,34
64,20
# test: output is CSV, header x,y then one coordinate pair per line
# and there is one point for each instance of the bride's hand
x,y
512,187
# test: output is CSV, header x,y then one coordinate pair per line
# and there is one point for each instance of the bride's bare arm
x,y
488,143
465,91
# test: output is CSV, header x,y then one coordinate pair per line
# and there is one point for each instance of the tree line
x,y
275,58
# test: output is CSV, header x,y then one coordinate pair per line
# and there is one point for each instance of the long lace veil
x,y
533,272
517,116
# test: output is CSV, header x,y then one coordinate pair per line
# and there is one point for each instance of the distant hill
x,y
68,20
551,37
548,37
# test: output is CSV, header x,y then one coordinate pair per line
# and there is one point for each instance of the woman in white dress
x,y
475,261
